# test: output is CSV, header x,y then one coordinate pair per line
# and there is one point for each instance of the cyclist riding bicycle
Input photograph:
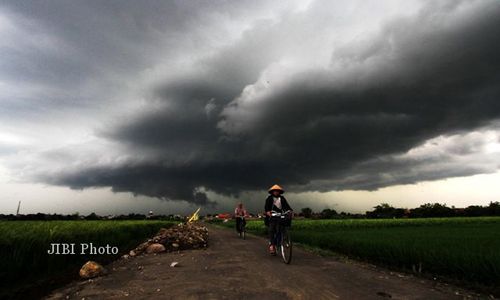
x,y
240,213
275,202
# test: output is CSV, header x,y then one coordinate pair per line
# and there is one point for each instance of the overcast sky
x,y
127,106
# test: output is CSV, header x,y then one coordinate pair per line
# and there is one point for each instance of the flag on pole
x,y
195,216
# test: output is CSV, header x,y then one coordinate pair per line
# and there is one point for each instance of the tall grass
x,y
23,248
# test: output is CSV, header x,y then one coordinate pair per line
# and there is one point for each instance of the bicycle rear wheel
x,y
286,247
241,228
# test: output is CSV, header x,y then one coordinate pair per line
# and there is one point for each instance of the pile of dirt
x,y
181,237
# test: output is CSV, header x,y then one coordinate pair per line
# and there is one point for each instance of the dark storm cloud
x,y
64,55
81,53
340,127
437,162
417,79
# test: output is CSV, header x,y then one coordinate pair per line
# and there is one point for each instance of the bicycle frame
x,y
241,226
281,231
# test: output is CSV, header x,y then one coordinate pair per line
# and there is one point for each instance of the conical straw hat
x,y
276,187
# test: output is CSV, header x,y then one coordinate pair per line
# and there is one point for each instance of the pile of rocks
x,y
180,237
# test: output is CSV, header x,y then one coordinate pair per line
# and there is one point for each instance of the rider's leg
x,y
238,221
272,233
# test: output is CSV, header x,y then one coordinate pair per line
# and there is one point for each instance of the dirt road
x,y
232,268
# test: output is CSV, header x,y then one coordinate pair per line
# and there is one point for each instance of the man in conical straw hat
x,y
275,202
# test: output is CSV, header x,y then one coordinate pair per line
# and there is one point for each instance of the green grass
x,y
25,263
462,248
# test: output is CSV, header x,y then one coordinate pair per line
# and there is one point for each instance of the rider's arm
x,y
285,204
269,206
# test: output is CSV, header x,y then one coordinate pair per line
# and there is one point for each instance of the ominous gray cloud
x,y
60,55
260,109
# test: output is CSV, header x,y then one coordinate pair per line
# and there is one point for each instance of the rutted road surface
x,y
231,268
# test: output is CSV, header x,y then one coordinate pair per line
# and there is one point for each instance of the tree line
x,y
384,210
428,210
91,216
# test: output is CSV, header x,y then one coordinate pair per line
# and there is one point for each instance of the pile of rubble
x,y
181,237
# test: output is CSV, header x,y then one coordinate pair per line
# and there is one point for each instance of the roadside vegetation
x,y
26,267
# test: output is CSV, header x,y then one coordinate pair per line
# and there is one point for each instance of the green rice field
x,y
460,248
26,267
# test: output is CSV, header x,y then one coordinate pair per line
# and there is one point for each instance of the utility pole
x,y
18,207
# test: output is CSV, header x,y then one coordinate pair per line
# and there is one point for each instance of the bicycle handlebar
x,y
280,215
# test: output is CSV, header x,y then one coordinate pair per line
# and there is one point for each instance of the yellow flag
x,y
195,216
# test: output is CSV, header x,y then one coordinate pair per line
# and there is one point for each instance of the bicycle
x,y
282,236
241,228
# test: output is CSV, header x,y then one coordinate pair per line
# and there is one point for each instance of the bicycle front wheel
x,y
286,247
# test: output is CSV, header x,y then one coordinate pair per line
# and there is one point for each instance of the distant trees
x,y
39,216
306,212
328,213
493,209
428,210
432,210
384,210
92,216
77,216
133,216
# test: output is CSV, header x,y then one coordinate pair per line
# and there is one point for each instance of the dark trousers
x,y
238,222
272,229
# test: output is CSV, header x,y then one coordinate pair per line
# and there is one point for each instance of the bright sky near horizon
x,y
119,106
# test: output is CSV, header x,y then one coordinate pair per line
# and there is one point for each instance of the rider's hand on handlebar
x,y
268,213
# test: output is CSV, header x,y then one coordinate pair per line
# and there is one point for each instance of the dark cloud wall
x,y
417,79
82,54
221,126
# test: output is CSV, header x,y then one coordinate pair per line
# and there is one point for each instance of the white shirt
x,y
277,202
